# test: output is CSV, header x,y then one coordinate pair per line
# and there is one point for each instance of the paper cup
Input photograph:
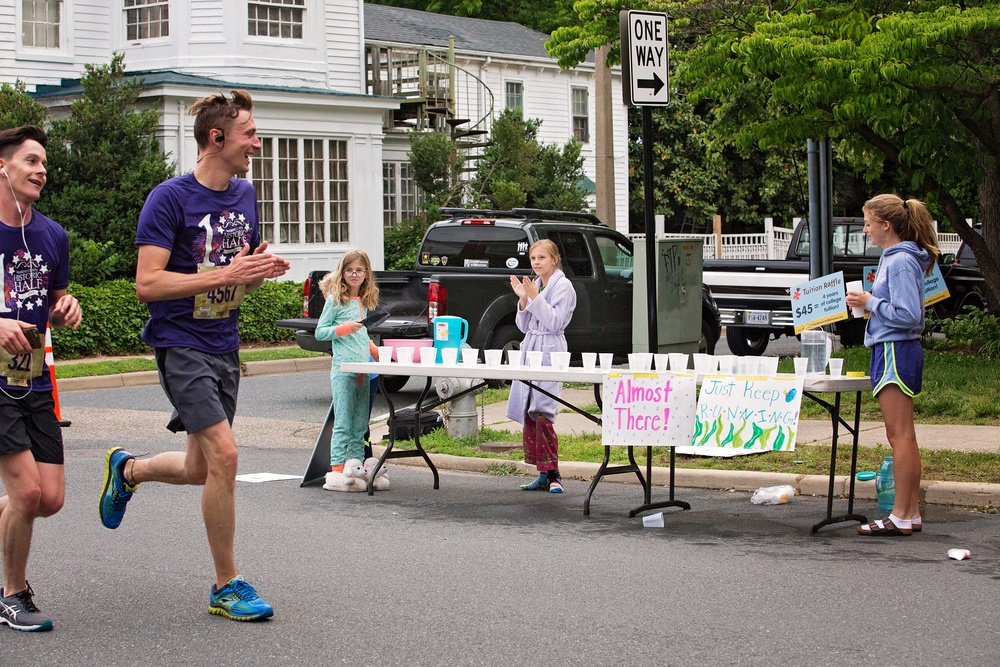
x,y
768,365
836,367
449,356
801,365
589,360
856,286
385,354
514,358
560,360
493,358
678,361
606,359
470,356
404,355
705,363
535,359
653,520
639,361
660,362
428,356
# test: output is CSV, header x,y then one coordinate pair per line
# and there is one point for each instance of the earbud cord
x,y
24,240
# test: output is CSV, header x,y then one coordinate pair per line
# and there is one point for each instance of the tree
x,y
914,91
104,160
437,169
903,88
516,170
17,108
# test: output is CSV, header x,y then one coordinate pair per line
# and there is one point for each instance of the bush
x,y
401,243
273,301
113,319
975,331
112,322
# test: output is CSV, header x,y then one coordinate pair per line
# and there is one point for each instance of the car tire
x,y
747,341
707,342
394,383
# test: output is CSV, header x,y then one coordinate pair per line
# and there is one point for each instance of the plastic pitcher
x,y
449,331
816,346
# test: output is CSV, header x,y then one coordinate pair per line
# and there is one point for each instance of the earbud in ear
x,y
220,138
3,170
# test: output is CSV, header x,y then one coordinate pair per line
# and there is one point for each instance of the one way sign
x,y
645,71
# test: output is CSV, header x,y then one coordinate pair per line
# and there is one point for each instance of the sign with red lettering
x,y
655,409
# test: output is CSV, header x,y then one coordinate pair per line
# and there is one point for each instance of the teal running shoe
x,y
239,601
116,492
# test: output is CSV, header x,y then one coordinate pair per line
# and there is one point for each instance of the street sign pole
x,y
645,79
648,214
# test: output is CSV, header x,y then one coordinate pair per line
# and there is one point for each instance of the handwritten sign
x,y
655,409
934,288
819,302
739,415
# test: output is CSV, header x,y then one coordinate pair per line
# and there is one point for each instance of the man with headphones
x,y
200,252
34,258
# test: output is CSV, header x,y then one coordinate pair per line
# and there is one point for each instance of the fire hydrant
x,y
461,417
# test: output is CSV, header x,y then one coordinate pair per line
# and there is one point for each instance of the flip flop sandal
x,y
884,528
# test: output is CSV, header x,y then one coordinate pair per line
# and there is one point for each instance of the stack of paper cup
x,y
856,286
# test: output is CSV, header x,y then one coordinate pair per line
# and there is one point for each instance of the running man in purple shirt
x,y
199,253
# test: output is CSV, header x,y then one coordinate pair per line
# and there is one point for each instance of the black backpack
x,y
405,418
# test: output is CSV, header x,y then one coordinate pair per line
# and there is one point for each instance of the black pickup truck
x,y
753,295
463,268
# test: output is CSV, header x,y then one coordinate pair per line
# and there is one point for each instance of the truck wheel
x,y
394,383
706,345
746,341
507,337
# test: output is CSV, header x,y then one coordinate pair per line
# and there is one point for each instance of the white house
x,y
329,88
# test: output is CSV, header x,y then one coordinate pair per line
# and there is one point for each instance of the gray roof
x,y
410,26
154,78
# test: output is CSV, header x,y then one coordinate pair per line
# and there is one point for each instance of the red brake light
x,y
476,221
437,301
305,297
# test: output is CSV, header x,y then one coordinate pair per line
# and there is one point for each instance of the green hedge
x,y
113,319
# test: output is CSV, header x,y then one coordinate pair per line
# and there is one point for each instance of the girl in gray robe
x,y
544,310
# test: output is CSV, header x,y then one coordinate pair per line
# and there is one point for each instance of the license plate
x,y
757,317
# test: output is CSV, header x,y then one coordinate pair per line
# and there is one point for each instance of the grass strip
x,y
939,465
69,369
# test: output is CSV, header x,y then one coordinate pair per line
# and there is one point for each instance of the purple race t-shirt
x,y
30,274
201,228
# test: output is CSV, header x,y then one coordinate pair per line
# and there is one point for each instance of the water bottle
x,y
885,485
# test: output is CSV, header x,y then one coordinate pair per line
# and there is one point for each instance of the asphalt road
x,y
479,572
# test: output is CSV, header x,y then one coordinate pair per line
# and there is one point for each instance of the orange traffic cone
x,y
50,360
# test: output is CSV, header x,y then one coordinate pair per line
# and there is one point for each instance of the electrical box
x,y
679,266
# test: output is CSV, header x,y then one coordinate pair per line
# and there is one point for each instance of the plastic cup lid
x,y
865,476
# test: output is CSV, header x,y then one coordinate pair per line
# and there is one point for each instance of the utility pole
x,y
604,140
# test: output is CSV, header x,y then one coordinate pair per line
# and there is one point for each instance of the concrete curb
x,y
143,378
959,494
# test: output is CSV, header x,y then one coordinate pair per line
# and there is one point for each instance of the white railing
x,y
772,244
948,242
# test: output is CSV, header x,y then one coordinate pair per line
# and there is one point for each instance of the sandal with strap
x,y
884,528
